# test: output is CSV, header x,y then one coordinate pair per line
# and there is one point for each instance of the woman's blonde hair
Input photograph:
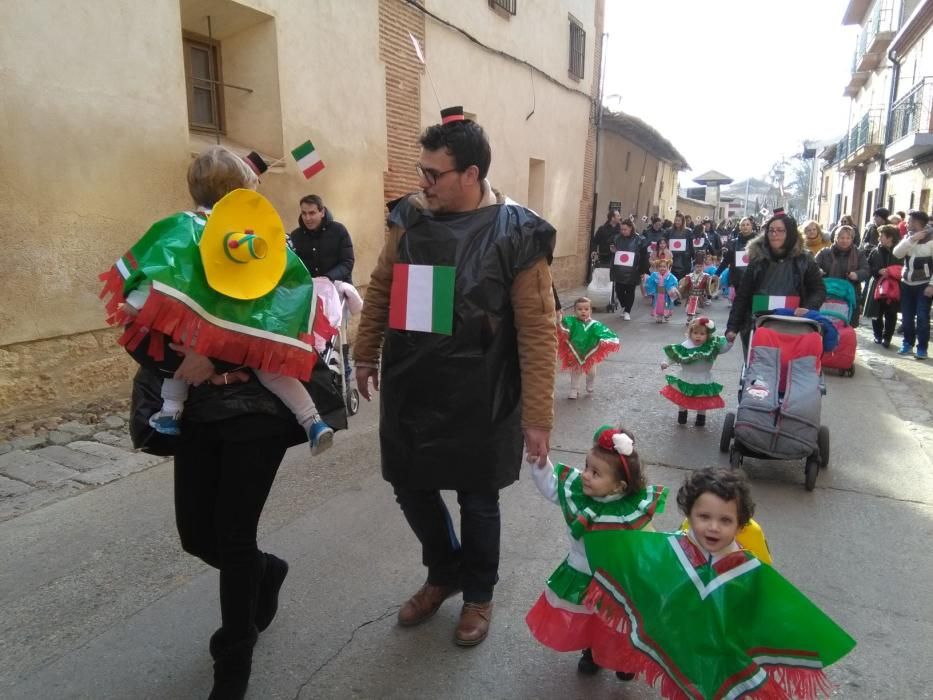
x,y
812,222
217,172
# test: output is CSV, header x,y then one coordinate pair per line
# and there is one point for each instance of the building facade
x,y
98,135
854,178
638,168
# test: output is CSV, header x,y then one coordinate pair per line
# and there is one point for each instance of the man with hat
x,y
462,298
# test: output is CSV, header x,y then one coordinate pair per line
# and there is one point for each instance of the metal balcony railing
x,y
913,113
881,21
868,131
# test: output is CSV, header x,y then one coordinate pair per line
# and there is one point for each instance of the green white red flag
x,y
763,302
422,298
309,162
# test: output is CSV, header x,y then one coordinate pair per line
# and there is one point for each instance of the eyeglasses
x,y
431,176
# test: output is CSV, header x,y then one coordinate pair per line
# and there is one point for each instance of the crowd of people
x,y
890,267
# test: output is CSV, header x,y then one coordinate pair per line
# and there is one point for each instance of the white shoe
x,y
626,316
574,394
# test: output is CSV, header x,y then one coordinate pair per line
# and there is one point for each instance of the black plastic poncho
x,y
451,405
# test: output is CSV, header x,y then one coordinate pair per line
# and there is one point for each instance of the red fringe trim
x,y
113,286
692,403
569,360
613,649
164,314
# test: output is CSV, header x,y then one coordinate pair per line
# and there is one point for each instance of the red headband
x,y
605,441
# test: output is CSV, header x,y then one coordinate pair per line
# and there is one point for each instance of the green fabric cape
x,y
269,333
582,345
732,629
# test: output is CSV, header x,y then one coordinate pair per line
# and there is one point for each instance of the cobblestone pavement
x,y
45,460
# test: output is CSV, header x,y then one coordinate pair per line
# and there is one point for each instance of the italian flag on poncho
x,y
558,619
731,629
583,344
270,333
422,298
694,396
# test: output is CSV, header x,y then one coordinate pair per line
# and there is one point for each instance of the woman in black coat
x,y
629,264
778,265
882,312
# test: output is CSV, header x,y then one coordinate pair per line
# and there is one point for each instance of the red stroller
x,y
839,307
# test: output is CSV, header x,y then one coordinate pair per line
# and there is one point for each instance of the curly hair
x,y
728,484
636,480
465,140
215,173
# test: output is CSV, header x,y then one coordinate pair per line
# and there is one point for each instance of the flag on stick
x,y
417,47
309,162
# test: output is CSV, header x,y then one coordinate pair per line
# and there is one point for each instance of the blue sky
x,y
733,84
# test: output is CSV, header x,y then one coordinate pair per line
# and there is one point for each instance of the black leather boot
x,y
233,660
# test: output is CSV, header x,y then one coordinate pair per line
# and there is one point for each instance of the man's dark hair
x,y
655,219
920,216
728,484
312,199
902,215
465,140
883,212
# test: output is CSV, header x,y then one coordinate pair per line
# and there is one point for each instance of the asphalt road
x,y
98,601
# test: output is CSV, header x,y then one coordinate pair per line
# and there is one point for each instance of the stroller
x,y
332,337
600,267
839,307
780,393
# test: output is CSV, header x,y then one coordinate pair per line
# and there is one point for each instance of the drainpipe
x,y
888,130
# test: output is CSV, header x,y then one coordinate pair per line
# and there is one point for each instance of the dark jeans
x,y
625,293
474,565
884,325
915,315
220,489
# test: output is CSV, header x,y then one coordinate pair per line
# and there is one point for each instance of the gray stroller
x,y
780,394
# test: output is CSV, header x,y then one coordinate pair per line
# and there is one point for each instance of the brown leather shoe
x,y
423,604
474,624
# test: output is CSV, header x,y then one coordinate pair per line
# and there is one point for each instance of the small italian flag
x,y
763,302
625,258
308,160
678,244
422,298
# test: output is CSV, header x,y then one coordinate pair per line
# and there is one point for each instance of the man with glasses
x,y
461,304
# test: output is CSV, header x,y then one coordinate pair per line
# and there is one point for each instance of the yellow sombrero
x,y
243,246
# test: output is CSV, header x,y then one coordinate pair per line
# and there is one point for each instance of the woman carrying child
x,y
582,344
610,493
694,389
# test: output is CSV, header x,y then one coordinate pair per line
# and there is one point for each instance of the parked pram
x,y
332,340
600,276
839,307
780,395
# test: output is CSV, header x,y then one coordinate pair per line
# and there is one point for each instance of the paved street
x,y
98,601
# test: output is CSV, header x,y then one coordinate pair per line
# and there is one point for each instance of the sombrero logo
x,y
741,259
625,258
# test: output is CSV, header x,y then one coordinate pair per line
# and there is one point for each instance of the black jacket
x,y
638,264
803,279
327,252
602,239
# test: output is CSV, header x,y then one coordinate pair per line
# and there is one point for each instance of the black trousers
x,y
884,325
474,565
221,487
625,293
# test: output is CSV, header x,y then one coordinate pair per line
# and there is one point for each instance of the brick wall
x,y
403,93
570,270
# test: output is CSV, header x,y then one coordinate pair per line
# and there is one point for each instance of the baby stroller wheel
x,y
822,440
353,401
810,470
735,458
728,426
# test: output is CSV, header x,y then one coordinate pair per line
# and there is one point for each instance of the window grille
x,y
577,48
